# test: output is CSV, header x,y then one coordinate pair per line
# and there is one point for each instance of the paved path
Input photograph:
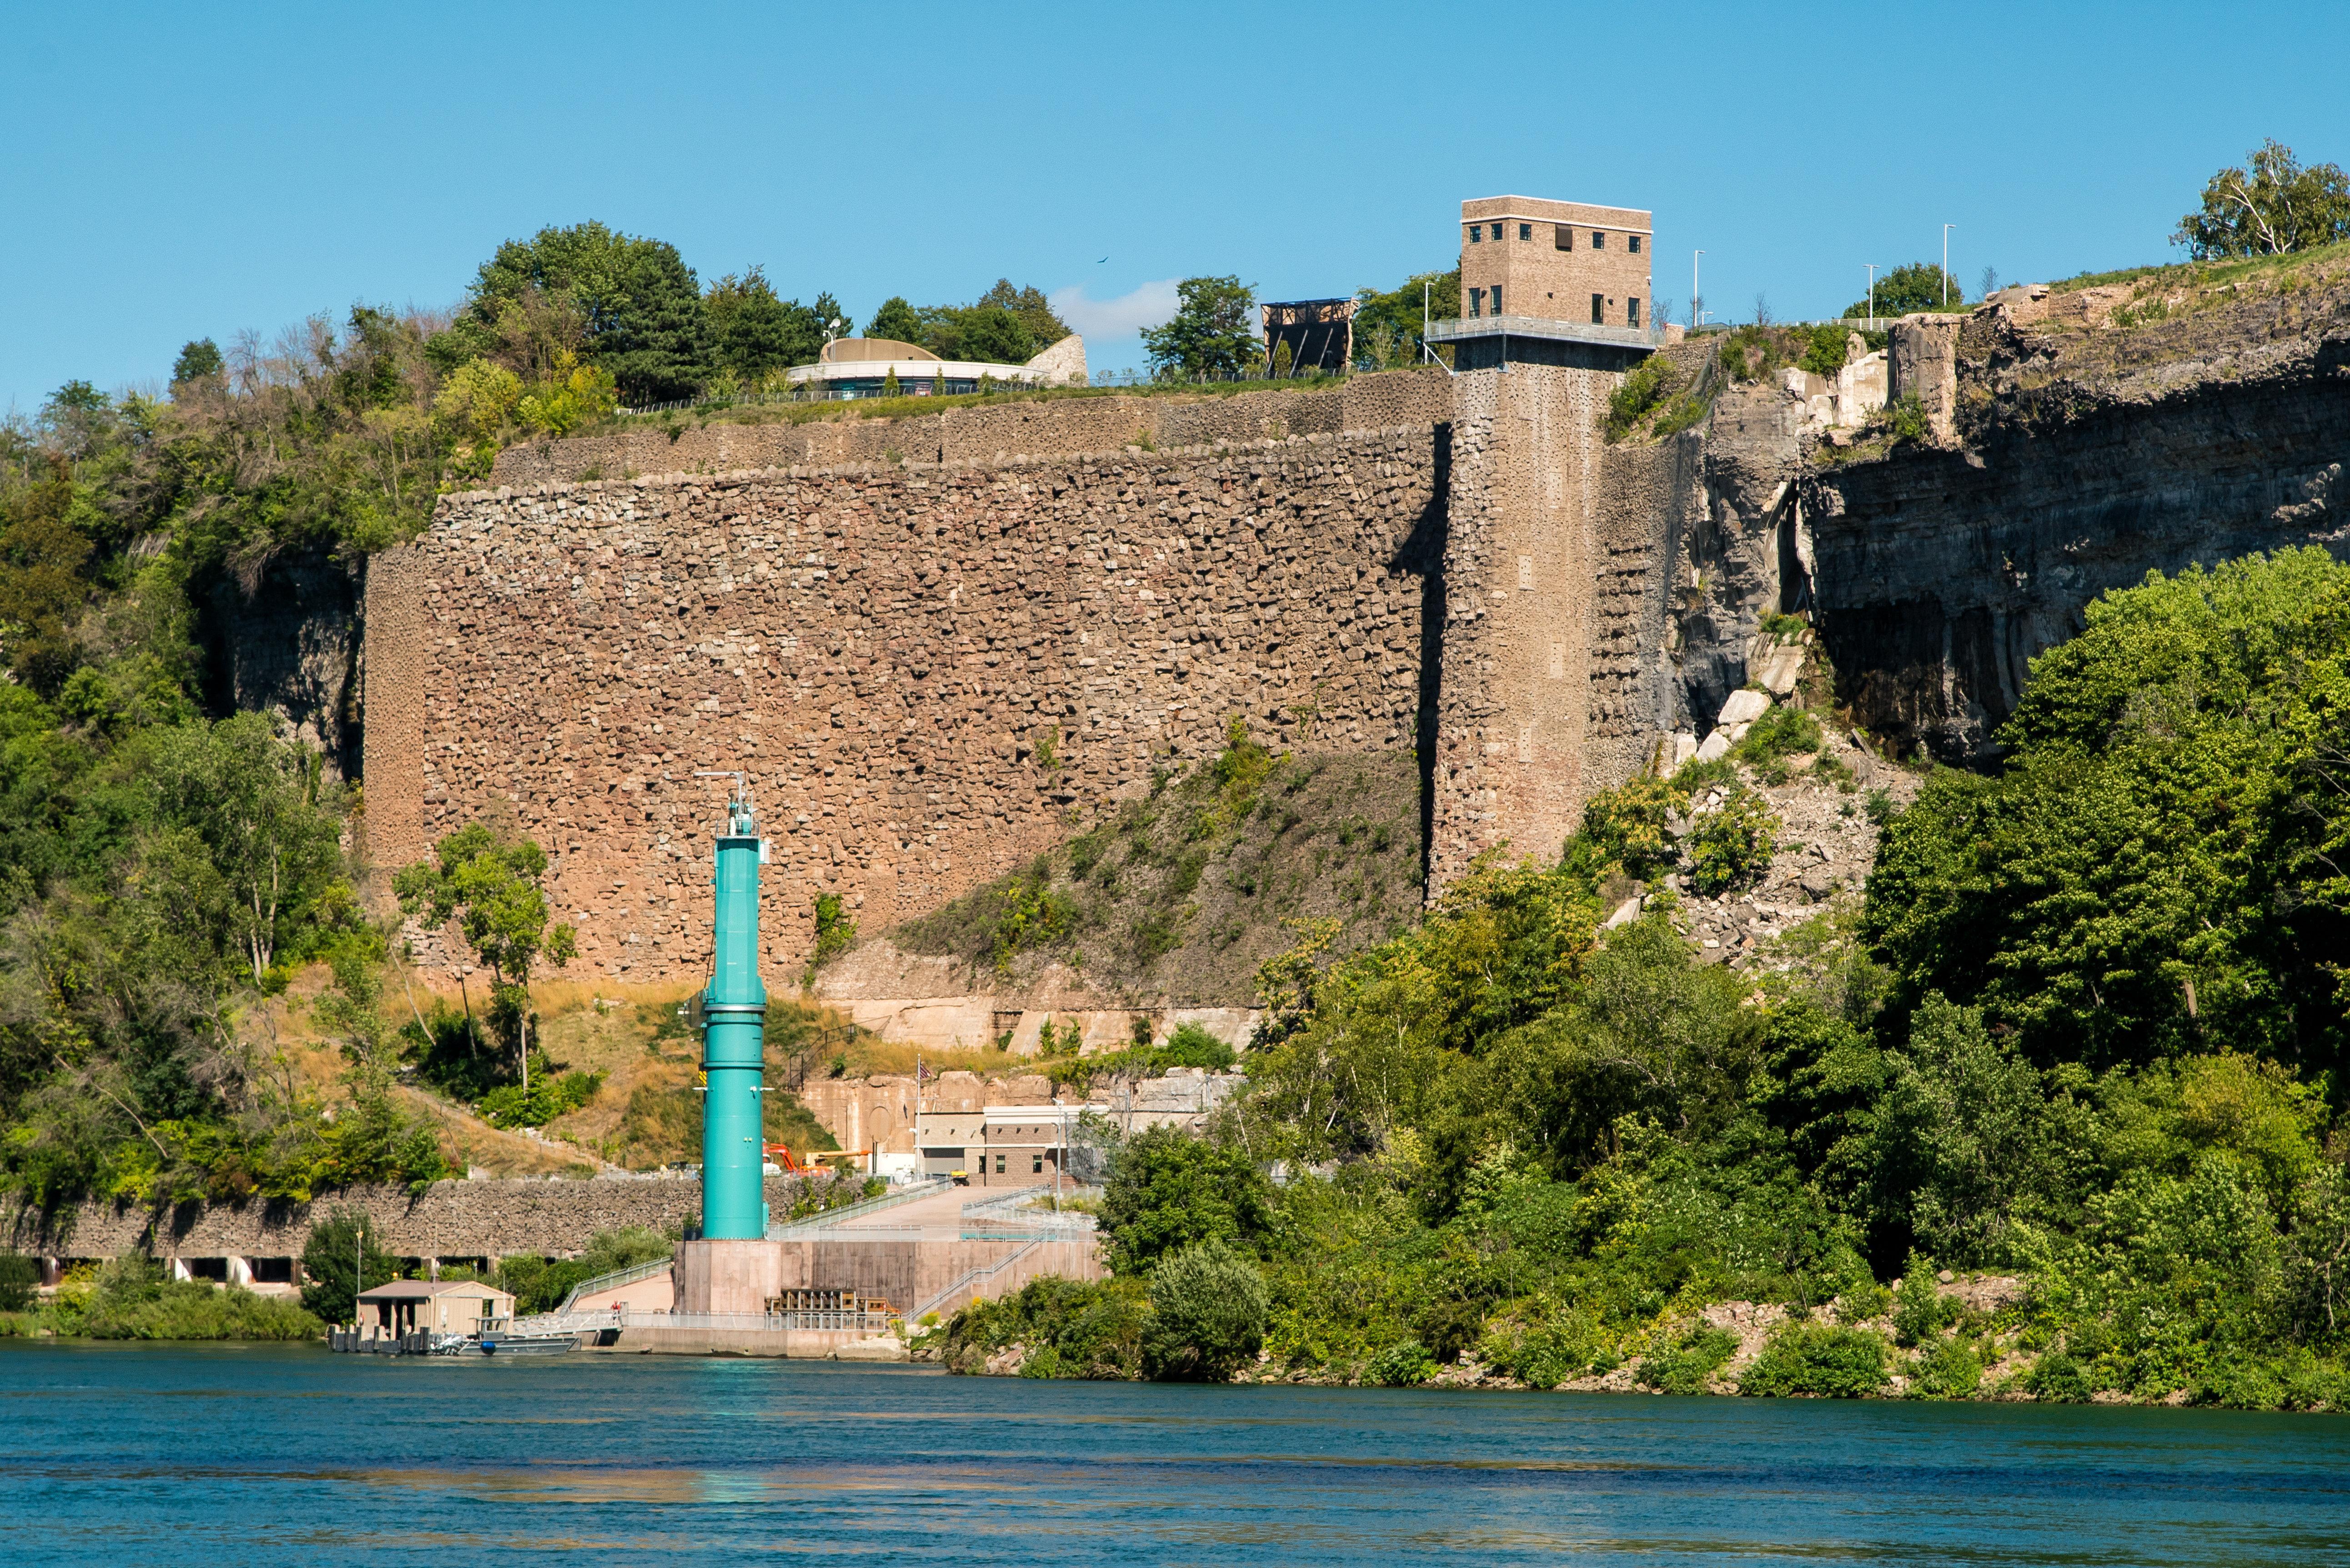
x,y
936,1215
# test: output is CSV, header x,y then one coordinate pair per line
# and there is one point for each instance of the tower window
x,y
1632,311
1476,302
1598,310
1633,244
1476,234
1526,230
1598,241
1562,237
1497,300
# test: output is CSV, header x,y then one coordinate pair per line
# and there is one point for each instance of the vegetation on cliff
x,y
2273,205
1184,893
163,871
2080,1057
1910,288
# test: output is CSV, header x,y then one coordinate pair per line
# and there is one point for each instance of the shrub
x,y
1168,1189
836,932
1208,1310
1920,1312
1648,385
130,1298
1818,1359
1951,1370
1403,1364
1631,826
548,1097
2057,1377
1689,1366
1193,1046
19,1275
1781,732
1827,352
1905,419
1086,1329
1730,846
1544,1352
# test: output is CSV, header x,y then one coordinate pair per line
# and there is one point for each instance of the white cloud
x,y
1152,305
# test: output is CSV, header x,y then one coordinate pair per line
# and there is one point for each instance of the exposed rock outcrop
x,y
2084,455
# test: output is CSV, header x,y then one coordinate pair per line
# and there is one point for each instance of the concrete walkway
x,y
938,1217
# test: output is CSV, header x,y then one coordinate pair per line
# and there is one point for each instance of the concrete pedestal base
x,y
728,1276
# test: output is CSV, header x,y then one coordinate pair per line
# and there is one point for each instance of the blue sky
x,y
185,171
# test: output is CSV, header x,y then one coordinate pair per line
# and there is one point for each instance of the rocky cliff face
x,y
2089,449
291,648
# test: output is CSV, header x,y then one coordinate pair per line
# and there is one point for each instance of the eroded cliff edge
x,y
2092,437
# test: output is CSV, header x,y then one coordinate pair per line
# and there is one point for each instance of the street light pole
x,y
1946,262
1695,295
1872,294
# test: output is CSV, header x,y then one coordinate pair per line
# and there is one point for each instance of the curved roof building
x,y
860,367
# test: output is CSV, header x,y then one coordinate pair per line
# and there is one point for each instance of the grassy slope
x,y
1180,897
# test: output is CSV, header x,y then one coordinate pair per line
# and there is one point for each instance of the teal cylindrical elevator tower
x,y
734,1036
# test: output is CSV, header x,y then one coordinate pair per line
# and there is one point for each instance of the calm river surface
x,y
142,1454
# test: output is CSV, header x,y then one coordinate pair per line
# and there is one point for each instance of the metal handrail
x,y
764,1321
628,1276
973,1277
999,1220
792,1228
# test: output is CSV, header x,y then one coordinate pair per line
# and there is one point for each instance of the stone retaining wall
x,y
987,433
929,670
451,1220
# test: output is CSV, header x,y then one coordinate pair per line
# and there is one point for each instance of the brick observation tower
x,y
1552,283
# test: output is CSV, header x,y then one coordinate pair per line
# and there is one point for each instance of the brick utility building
x,y
1552,283
998,1145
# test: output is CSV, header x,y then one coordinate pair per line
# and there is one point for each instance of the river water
x,y
197,1454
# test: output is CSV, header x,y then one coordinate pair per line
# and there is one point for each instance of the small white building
x,y
861,368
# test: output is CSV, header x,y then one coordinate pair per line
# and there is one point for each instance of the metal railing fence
x,y
628,1276
790,1228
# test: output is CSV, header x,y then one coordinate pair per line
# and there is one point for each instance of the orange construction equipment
x,y
813,1165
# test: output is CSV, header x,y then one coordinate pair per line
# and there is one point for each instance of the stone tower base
x,y
728,1276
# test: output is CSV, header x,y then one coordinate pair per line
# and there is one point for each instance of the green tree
x,y
1168,1189
2154,867
896,320
340,1250
198,360
1215,331
991,335
255,805
494,888
1208,1309
753,332
2275,206
1388,324
45,553
1030,307
1960,1140
1910,287
640,304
